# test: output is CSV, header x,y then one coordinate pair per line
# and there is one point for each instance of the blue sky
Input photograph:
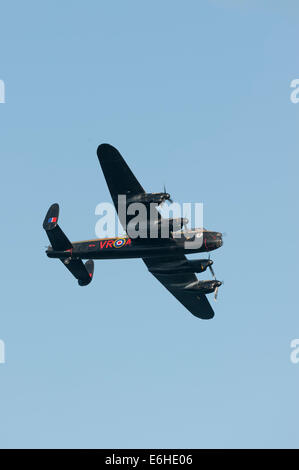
x,y
195,95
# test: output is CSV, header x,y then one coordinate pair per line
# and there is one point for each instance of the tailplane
x,y
58,239
82,272
60,243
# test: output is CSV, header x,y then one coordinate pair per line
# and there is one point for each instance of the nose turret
x,y
213,241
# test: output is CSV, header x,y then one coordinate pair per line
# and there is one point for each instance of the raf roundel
x,y
119,242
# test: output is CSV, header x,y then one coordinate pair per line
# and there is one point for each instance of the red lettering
x,y
109,244
102,244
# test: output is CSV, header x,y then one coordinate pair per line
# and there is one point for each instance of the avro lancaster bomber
x,y
164,256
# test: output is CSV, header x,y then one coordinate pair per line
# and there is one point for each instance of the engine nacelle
x,y
199,265
202,287
161,228
184,266
174,224
148,198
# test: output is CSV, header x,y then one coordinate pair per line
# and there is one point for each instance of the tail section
x,y
82,272
60,243
58,239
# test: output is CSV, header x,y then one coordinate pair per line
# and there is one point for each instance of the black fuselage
x,y
124,247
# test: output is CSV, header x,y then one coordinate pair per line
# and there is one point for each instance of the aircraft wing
x,y
198,305
119,178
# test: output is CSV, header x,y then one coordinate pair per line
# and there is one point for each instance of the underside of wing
x,y
174,281
120,181
119,177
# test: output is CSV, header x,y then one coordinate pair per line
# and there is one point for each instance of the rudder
x,y
58,239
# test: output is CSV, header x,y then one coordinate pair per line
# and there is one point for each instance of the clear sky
x,y
195,95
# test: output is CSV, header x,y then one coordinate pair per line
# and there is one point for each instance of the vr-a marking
x,y
112,243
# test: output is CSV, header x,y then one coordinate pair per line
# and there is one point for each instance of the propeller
x,y
216,291
212,272
210,267
165,192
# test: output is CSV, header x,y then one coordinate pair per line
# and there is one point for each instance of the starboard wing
x,y
120,181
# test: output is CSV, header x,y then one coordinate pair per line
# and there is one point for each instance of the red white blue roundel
x,y
119,242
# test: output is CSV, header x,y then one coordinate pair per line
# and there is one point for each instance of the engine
x,y
161,228
185,266
202,287
199,265
174,224
148,198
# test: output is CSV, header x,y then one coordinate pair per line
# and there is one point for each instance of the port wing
x,y
197,304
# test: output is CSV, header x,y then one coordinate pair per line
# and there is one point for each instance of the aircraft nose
x,y
219,242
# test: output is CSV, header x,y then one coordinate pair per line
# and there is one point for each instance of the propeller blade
x,y
216,293
165,192
212,272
